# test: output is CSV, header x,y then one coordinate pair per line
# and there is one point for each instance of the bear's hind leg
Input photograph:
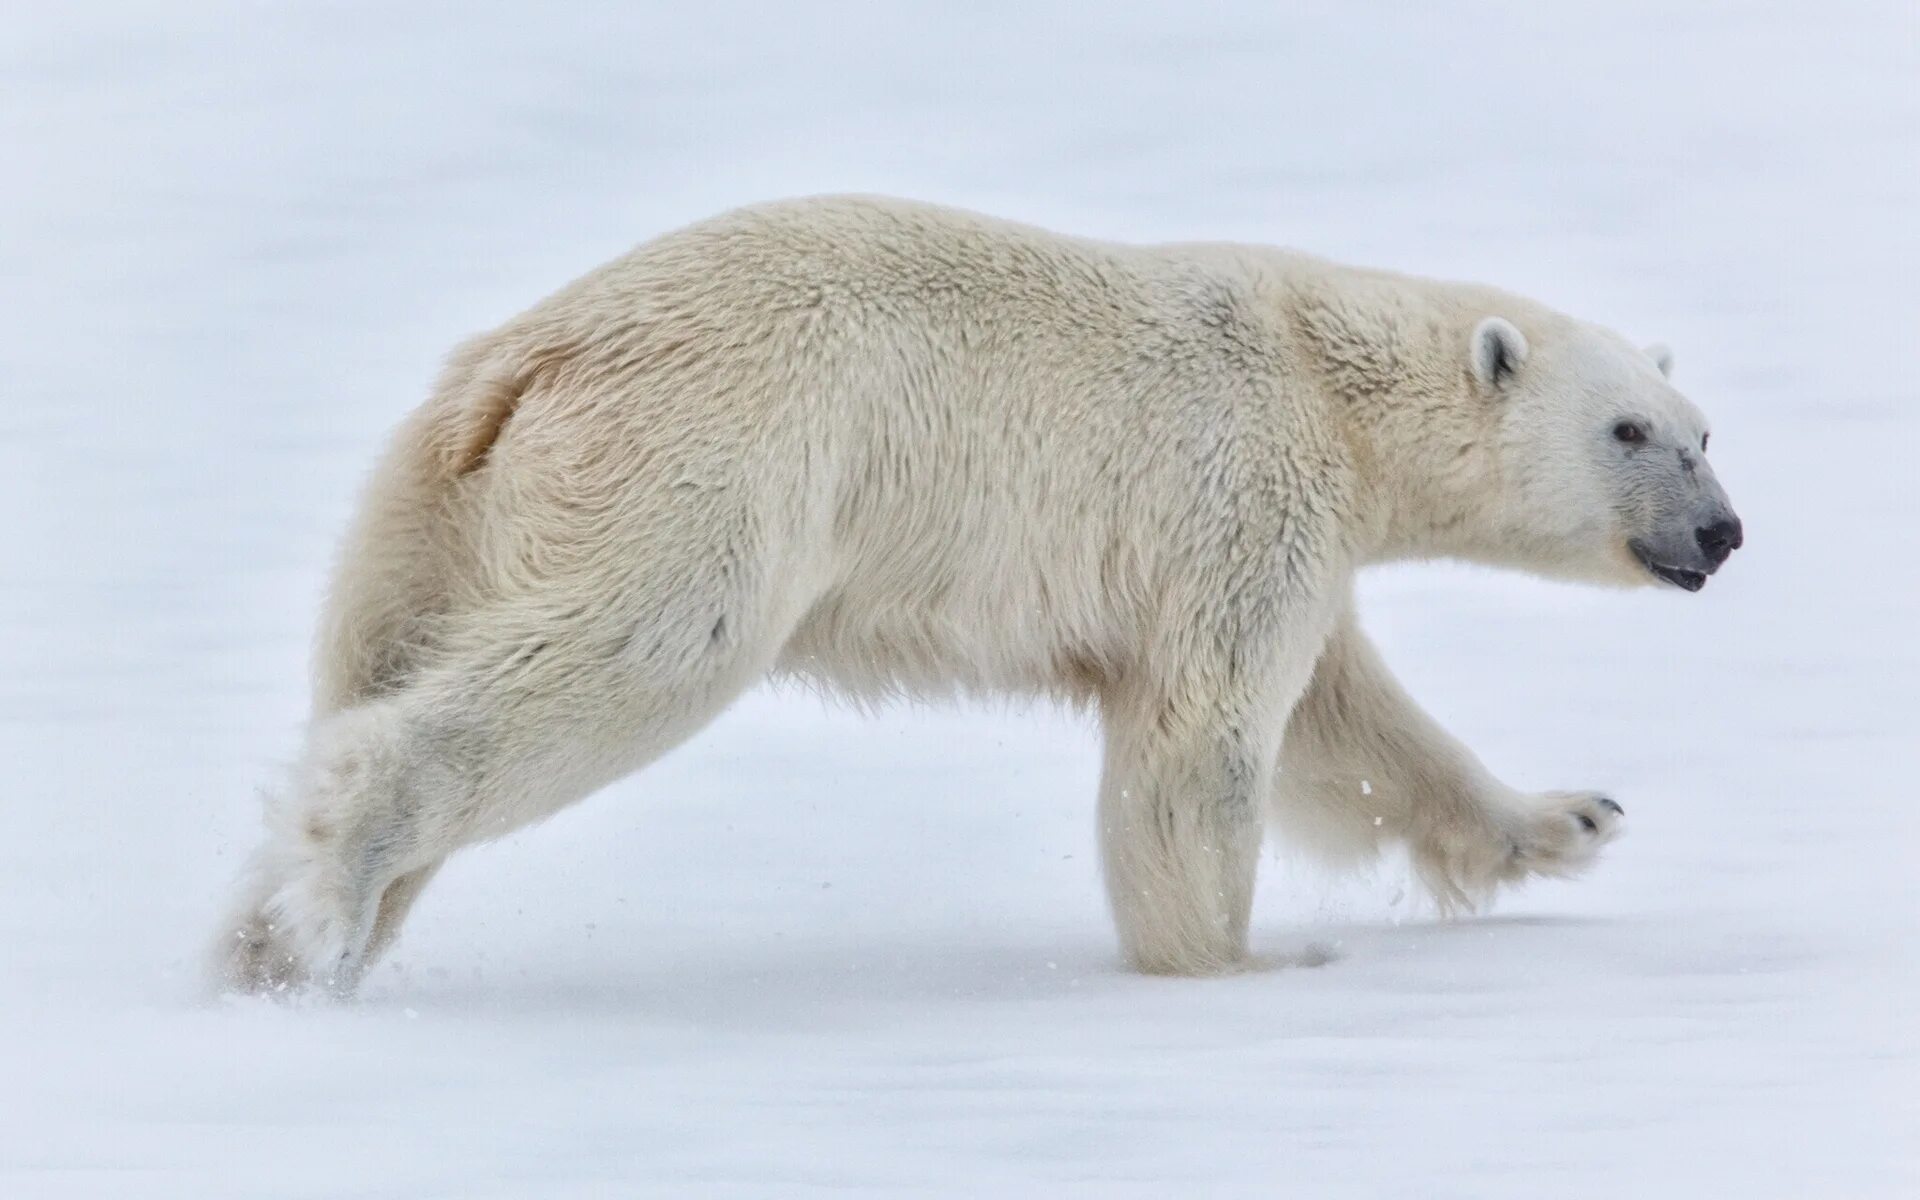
x,y
534,714
395,903
351,820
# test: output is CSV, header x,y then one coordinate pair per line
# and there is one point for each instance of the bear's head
x,y
1601,465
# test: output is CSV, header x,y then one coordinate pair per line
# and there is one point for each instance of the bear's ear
x,y
1662,357
1498,351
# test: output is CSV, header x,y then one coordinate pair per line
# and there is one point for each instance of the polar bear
x,y
897,449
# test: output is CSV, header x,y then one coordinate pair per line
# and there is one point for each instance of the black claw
x,y
1587,823
1609,802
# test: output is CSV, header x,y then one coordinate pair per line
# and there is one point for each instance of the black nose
x,y
1719,539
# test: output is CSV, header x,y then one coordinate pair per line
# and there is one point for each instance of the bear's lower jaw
x,y
1693,581
1680,577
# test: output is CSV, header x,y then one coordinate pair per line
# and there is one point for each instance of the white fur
x,y
895,449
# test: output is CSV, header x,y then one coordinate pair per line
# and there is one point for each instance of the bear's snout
x,y
1686,552
1719,539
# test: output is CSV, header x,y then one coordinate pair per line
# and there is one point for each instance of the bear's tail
x,y
400,566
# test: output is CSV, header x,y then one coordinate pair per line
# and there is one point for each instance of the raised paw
x,y
1517,837
1560,833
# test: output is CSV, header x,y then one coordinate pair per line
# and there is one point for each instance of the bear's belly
x,y
965,641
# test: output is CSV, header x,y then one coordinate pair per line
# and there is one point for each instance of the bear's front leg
x,y
1180,835
1362,763
1188,765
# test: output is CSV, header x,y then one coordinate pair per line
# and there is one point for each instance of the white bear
x,y
902,450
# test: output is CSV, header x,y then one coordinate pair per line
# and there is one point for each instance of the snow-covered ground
x,y
814,951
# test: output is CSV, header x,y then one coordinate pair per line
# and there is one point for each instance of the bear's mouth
x,y
1680,577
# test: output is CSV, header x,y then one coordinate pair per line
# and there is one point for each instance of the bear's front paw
x,y
1547,833
1560,833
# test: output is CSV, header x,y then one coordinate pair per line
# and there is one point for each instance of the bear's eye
x,y
1629,432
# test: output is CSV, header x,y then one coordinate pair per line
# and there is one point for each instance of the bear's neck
x,y
1407,513
1392,363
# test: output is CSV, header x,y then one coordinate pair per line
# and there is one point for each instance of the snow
x,y
815,951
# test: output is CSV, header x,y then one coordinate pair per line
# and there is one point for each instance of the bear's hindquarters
x,y
578,644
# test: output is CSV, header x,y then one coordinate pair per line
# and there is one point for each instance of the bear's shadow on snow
x,y
827,985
